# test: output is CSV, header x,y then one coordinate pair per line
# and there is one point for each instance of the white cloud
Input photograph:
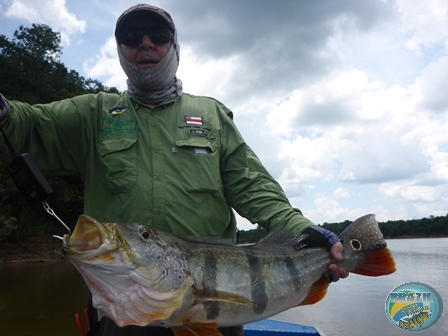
x,y
342,193
53,13
426,21
429,83
346,105
386,138
365,144
106,66
208,76
327,209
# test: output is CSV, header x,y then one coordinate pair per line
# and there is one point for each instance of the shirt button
x,y
153,124
157,149
158,210
158,178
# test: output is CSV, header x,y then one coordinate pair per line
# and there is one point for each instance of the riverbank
x,y
30,252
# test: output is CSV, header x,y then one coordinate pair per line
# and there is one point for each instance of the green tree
x,y
31,71
40,41
251,236
8,223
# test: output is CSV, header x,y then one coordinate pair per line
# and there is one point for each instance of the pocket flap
x,y
114,145
197,142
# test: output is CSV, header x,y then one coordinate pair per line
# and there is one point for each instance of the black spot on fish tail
x,y
258,286
293,272
209,283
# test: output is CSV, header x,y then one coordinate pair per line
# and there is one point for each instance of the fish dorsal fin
x,y
277,238
197,329
285,238
318,291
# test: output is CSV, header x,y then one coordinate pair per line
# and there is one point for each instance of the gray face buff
x,y
156,84
160,82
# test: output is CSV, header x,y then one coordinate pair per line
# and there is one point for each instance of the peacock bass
x,y
140,276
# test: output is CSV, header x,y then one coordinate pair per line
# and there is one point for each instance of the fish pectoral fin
x,y
197,329
207,295
318,291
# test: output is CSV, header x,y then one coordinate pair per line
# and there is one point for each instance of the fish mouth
x,y
90,238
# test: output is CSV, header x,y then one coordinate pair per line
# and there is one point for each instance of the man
x,y
156,155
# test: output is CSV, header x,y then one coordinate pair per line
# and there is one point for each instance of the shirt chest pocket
x,y
119,160
199,164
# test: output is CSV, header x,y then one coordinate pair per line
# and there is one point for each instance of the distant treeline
x,y
431,226
415,228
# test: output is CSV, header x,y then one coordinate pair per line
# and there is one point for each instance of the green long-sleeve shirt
x,y
179,167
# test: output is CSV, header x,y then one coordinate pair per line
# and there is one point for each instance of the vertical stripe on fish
x,y
293,272
209,283
258,287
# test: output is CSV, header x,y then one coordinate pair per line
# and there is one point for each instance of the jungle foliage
x,y
31,71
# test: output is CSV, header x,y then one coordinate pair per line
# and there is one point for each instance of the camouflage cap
x,y
143,9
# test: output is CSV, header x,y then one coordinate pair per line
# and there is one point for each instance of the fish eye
x,y
145,233
356,244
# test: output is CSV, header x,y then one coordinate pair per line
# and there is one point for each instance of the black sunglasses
x,y
134,37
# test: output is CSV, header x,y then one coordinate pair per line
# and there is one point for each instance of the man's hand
x,y
336,271
318,236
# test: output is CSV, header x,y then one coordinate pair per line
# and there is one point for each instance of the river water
x,y
356,305
41,299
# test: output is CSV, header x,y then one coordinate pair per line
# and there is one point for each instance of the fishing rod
x,y
30,181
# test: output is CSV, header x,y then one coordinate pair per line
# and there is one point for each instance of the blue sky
x,y
344,101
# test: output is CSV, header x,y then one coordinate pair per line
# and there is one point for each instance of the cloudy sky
x,y
344,101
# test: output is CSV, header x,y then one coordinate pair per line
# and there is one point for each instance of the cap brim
x,y
148,12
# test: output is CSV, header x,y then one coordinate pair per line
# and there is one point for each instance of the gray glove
x,y
317,236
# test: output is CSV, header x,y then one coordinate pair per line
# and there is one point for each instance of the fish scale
x,y
140,276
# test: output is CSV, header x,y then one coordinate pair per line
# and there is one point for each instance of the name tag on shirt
x,y
201,151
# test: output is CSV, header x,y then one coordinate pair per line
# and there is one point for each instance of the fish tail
x,y
364,237
376,263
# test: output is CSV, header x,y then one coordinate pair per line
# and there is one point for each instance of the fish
x,y
414,321
142,276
